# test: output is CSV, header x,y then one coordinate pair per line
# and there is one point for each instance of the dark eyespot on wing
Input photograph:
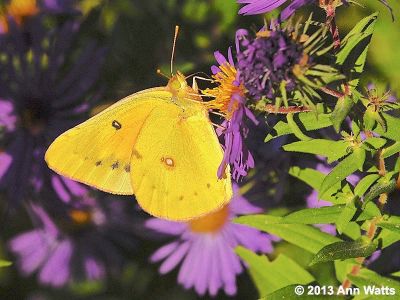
x,y
98,163
127,168
117,125
115,165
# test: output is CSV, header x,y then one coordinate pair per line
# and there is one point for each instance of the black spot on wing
x,y
98,163
117,125
127,168
115,165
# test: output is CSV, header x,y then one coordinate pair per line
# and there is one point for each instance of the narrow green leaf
x,y
379,188
391,150
364,184
328,214
295,128
322,215
345,216
392,127
390,226
387,238
314,179
310,121
341,110
346,167
375,142
353,53
333,150
270,276
304,236
345,250
352,230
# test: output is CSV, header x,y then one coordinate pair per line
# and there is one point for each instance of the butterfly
x,y
157,144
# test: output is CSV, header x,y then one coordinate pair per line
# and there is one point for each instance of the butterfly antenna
x,y
159,72
173,47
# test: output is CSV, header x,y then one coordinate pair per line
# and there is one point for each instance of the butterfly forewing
x,y
98,151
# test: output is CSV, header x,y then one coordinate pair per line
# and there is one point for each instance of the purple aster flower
x,y
280,64
314,202
205,247
39,99
254,7
81,243
229,99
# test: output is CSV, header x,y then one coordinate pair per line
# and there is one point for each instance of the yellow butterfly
x,y
158,144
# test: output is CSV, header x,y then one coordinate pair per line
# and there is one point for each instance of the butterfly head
x,y
181,92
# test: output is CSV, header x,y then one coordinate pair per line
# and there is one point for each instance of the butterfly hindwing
x,y
98,151
177,179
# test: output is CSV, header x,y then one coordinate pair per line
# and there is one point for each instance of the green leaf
x,y
333,150
391,150
295,128
390,226
375,142
392,128
304,236
341,110
345,250
5,263
352,230
327,214
270,276
345,216
353,53
310,121
367,278
379,188
387,238
322,215
314,179
346,167
364,184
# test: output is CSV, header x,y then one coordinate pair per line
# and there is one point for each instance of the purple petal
x,y
57,269
220,58
5,162
175,258
167,227
164,251
94,269
260,6
60,189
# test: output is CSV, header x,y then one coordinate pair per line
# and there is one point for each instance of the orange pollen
x,y
223,93
80,216
210,223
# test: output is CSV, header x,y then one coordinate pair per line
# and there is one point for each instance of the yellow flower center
x,y
222,94
210,223
80,217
